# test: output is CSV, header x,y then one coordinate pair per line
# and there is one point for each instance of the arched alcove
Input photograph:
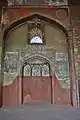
x,y
53,50
55,42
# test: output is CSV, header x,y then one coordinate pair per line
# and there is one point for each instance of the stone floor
x,y
39,111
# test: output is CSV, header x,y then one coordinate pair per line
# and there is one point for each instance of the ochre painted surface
x,y
35,89
18,38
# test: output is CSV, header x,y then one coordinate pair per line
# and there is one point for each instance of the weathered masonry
x,y
39,53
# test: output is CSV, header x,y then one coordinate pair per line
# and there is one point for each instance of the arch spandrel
x,y
45,18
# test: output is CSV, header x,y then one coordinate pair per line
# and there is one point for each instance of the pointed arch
x,y
29,17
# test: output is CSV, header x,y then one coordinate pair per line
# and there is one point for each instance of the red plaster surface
x,y
35,89
0,96
10,93
39,88
61,95
15,13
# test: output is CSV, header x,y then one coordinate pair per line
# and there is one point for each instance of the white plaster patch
x,y
75,50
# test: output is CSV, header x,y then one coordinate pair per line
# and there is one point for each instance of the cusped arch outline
x,y
37,56
29,17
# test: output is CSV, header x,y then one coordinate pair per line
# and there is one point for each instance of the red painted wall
x,y
61,95
39,89
10,94
17,12
0,95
